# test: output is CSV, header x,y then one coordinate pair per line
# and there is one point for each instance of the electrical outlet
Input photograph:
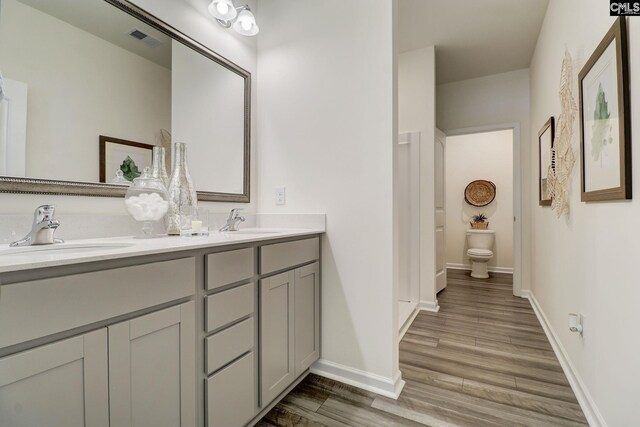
x,y
281,198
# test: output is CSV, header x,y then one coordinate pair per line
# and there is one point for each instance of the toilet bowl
x,y
480,244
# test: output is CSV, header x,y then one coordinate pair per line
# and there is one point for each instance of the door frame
x,y
440,134
414,140
517,193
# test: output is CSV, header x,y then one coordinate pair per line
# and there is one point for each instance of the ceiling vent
x,y
144,37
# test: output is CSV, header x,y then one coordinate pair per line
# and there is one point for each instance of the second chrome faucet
x,y
233,220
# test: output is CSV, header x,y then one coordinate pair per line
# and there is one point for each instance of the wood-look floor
x,y
482,360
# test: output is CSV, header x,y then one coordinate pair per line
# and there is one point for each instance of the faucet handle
x,y
43,213
235,213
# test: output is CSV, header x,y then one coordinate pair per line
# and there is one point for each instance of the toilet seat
x,y
480,252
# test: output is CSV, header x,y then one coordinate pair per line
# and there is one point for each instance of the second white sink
x,y
62,248
253,231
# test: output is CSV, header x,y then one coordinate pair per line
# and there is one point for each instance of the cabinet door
x,y
152,369
276,332
306,316
231,394
59,384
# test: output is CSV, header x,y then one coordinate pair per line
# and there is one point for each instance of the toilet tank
x,y
480,239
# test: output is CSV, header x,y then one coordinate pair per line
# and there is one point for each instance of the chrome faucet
x,y
42,229
233,221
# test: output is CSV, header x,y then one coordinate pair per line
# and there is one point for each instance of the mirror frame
x,y
77,188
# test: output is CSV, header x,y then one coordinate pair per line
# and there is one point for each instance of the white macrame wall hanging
x,y
562,157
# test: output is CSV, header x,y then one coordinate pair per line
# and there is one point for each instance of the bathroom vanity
x,y
159,332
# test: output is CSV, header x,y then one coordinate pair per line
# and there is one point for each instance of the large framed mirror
x,y
77,73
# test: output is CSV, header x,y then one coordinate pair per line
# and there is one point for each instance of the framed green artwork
x,y
605,122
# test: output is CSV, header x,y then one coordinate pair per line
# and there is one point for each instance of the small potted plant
x,y
478,222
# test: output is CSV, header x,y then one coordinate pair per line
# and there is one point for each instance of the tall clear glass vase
x,y
183,200
158,169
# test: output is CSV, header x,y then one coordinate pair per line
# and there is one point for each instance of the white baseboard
x,y
454,266
408,322
591,412
429,306
388,387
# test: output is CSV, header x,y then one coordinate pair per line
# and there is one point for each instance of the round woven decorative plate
x,y
480,192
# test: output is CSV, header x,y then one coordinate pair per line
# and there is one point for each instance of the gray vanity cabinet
x,y
139,372
31,383
152,369
289,327
144,376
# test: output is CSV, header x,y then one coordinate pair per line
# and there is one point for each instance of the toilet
x,y
480,244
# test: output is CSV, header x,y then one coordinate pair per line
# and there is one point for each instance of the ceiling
x,y
473,38
103,20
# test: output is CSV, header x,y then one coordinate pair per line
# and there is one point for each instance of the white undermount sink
x,y
254,231
60,248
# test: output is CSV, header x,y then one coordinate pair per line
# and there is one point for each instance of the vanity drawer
x,y
233,342
38,308
228,306
225,268
283,255
231,394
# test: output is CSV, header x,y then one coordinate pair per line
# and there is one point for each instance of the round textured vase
x,y
183,200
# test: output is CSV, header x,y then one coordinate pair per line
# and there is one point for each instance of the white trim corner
x,y
388,387
429,306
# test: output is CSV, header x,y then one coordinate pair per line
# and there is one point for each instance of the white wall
x,y
65,74
587,262
485,102
326,127
192,18
486,155
416,113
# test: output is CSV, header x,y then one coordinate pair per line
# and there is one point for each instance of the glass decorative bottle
x,y
146,201
183,200
158,169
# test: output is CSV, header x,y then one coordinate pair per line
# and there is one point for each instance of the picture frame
x,y
605,122
546,137
115,151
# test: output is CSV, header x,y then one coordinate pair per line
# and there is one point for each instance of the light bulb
x,y
246,23
223,8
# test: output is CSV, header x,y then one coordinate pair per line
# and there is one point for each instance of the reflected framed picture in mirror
x,y
546,160
129,157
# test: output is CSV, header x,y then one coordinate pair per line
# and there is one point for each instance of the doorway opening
x,y
480,157
509,158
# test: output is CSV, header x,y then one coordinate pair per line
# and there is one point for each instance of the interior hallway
x,y
482,360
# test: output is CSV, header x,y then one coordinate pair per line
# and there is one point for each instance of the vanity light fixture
x,y
239,18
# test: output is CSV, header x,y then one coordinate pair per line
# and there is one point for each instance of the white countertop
x,y
91,250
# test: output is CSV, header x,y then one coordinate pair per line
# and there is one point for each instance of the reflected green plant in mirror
x,y
129,169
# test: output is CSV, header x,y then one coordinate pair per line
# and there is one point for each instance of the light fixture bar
x,y
241,19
